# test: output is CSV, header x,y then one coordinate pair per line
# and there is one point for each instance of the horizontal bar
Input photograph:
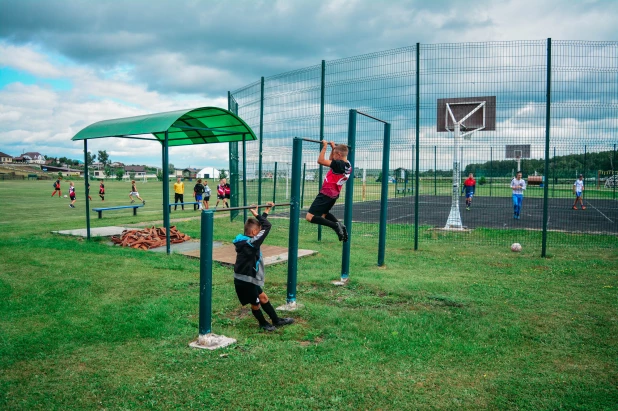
x,y
249,207
375,118
318,141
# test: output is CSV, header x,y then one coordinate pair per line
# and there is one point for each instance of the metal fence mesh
x,y
315,101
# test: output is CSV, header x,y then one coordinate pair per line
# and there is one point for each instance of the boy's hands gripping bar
x,y
310,140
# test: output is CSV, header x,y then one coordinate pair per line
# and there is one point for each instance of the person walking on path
x,y
518,185
578,190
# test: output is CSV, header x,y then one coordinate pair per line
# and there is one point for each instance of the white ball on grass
x,y
65,196
515,247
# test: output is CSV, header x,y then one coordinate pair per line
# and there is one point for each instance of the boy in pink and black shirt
x,y
340,171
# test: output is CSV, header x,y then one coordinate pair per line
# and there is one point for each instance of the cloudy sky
x,y
67,64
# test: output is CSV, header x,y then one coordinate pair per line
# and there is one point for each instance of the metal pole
x,y
349,197
435,170
205,311
417,126
454,218
166,193
275,184
244,175
297,157
386,149
287,181
261,138
584,171
320,176
553,185
302,194
491,168
86,187
614,172
547,133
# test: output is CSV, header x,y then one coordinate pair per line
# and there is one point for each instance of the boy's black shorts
x,y
220,197
206,198
322,204
247,293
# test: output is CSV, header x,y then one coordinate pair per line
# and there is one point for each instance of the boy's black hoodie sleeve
x,y
259,238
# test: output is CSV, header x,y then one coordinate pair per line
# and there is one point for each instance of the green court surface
x,y
452,326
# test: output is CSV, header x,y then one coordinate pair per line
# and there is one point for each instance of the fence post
x,y
302,194
386,149
322,88
435,171
275,185
259,199
614,172
547,135
349,197
166,192
418,114
491,168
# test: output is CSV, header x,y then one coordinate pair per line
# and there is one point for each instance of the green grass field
x,y
452,326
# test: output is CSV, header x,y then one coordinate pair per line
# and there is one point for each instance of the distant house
x,y
139,171
32,157
186,172
116,164
208,172
5,158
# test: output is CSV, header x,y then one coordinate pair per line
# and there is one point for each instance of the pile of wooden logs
x,y
149,238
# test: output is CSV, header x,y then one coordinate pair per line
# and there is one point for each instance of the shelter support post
x,y
320,175
166,192
386,149
86,183
259,198
244,175
302,193
275,184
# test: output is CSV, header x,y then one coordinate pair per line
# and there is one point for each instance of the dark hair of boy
x,y
251,224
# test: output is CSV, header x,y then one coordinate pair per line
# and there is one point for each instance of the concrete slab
x,y
94,232
226,254
186,248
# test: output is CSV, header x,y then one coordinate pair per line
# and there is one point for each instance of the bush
x,y
482,180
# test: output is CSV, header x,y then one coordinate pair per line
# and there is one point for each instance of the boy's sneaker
x,y
468,208
283,321
339,231
583,208
574,208
345,232
132,201
71,205
144,202
268,327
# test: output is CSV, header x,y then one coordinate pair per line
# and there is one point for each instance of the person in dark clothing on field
x,y
57,188
249,270
102,191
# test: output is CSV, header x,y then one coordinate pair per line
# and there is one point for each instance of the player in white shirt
x,y
578,190
518,185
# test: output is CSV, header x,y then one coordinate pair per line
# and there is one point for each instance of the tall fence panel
x,y
385,85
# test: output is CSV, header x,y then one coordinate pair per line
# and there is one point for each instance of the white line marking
x,y
609,219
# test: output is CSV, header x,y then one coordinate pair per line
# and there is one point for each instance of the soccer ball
x,y
65,196
515,247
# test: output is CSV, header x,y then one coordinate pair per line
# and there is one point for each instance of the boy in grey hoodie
x,y
249,270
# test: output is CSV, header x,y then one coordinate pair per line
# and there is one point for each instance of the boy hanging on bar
x,y
249,271
340,171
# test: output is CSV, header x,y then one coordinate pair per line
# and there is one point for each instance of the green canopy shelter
x,y
204,125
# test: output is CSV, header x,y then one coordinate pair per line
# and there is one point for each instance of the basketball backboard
x,y
516,151
477,113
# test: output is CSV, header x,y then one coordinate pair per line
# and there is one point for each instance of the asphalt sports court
x,y
600,216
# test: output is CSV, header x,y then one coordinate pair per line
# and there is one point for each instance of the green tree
x,y
222,173
108,172
104,158
90,158
119,174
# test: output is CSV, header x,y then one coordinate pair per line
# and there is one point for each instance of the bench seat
x,y
101,209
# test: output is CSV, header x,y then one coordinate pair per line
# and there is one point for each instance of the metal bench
x,y
182,204
402,191
134,207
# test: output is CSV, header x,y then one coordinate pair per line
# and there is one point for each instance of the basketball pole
x,y
454,217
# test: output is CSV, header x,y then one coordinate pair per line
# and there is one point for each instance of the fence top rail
x,y
245,207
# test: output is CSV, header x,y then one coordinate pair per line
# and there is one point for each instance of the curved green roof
x,y
202,125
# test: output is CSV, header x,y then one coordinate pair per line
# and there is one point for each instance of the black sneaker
x,y
144,202
132,201
283,321
340,230
345,232
268,327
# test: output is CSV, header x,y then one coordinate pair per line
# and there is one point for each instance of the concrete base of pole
x,y
341,282
293,306
212,341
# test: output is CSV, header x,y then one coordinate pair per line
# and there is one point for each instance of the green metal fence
x,y
557,97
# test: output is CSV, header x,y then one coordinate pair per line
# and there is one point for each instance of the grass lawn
x,y
87,326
